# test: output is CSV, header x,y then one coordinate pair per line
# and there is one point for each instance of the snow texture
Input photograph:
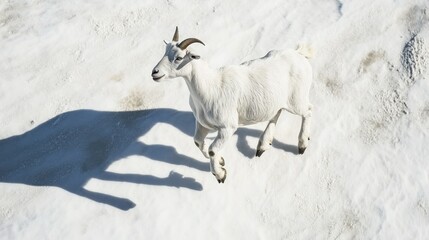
x,y
92,148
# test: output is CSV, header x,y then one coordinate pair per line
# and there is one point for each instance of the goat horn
x,y
176,35
185,43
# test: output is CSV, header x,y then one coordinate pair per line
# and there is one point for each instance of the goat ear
x,y
165,42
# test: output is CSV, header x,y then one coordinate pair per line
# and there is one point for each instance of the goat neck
x,y
203,81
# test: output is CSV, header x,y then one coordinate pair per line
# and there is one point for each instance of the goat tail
x,y
305,50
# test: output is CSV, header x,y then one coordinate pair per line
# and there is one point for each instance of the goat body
x,y
251,92
255,91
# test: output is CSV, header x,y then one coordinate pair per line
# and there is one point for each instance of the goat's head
x,y
175,62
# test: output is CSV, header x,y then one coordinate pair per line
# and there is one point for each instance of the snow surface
x,y
92,148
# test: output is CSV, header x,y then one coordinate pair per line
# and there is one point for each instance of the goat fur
x,y
254,91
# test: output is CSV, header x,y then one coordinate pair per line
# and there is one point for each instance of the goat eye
x,y
179,59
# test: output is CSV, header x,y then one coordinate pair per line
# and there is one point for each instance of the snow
x,y
91,147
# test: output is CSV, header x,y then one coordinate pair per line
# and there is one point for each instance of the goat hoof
x,y
301,150
222,180
259,152
222,161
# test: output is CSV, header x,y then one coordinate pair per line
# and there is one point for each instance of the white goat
x,y
255,91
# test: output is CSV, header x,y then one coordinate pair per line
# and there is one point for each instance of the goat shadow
x,y
248,151
74,147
